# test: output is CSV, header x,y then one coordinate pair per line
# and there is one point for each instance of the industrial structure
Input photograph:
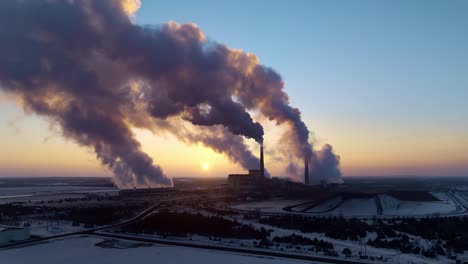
x,y
251,180
255,179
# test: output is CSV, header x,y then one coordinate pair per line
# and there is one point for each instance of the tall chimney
x,y
262,165
306,172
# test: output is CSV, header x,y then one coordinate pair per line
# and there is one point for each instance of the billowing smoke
x,y
217,138
87,67
325,166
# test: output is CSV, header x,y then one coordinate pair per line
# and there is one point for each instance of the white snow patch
x,y
356,207
393,206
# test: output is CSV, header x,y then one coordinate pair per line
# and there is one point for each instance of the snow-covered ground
x,y
395,207
451,203
41,190
79,250
326,205
50,193
271,206
45,228
356,207
351,207
390,255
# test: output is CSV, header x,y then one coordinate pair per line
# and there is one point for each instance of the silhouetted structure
x,y
262,165
253,179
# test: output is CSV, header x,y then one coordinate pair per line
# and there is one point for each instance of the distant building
x,y
245,181
253,179
10,234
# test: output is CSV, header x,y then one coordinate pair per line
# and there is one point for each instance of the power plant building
x,y
256,178
251,180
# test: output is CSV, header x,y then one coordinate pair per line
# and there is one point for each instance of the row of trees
x,y
452,230
294,239
448,234
185,224
89,216
338,227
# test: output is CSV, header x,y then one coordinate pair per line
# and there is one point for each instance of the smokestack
x,y
306,172
262,165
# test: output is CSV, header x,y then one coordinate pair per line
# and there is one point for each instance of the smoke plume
x,y
87,67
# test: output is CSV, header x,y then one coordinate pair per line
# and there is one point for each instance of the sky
x,y
384,82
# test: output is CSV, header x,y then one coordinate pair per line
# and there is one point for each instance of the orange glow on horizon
x,y
30,148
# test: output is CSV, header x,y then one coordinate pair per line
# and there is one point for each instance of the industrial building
x,y
251,180
10,234
255,179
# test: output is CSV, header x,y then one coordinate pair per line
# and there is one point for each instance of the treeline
x,y
14,210
453,230
401,243
100,215
448,234
88,216
334,227
404,244
318,244
184,224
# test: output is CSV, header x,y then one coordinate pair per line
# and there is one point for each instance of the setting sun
x,y
206,166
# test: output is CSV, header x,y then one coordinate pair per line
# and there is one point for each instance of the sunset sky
x,y
384,82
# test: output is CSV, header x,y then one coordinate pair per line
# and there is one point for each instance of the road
x,y
231,249
84,232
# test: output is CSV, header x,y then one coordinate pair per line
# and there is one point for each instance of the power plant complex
x,y
255,178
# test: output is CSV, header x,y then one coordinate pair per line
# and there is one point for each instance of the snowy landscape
x,y
79,250
233,132
209,222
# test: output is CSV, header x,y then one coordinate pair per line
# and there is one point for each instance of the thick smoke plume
x,y
86,66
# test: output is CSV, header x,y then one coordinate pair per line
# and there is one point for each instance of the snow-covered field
x,y
391,256
356,207
45,229
272,206
79,250
41,193
451,203
41,190
326,205
392,206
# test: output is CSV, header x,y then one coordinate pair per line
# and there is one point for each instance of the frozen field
x,y
443,203
81,250
272,206
326,206
40,193
392,206
6,192
356,207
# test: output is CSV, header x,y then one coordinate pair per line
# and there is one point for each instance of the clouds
x,y
86,66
